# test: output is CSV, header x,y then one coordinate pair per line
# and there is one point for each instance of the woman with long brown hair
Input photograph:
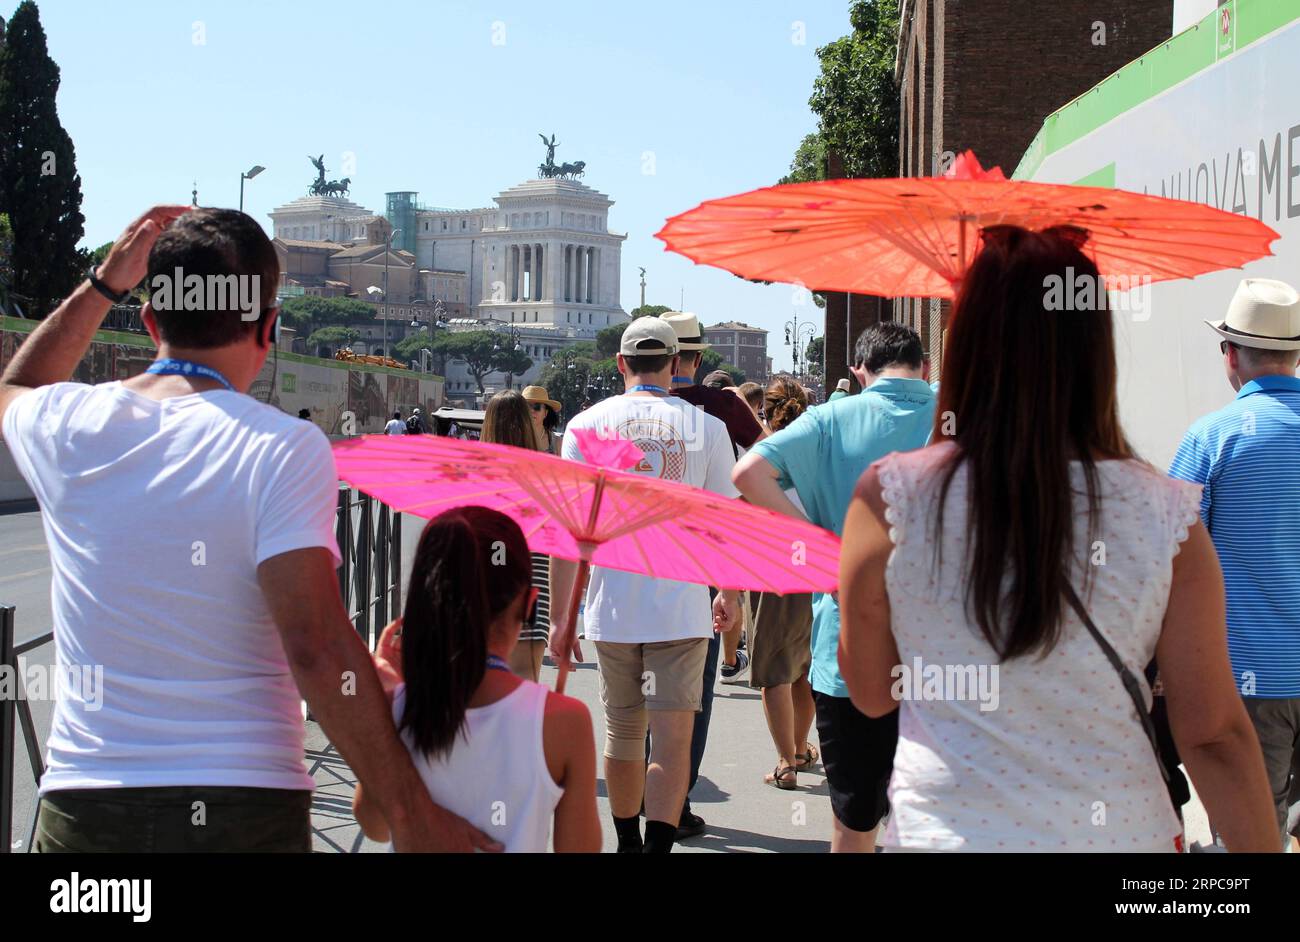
x,y
507,422
1006,586
781,636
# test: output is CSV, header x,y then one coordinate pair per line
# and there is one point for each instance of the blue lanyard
x,y
170,367
495,663
648,387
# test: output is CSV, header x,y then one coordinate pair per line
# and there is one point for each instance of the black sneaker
x,y
735,673
691,825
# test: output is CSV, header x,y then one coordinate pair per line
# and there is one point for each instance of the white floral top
x,y
1032,754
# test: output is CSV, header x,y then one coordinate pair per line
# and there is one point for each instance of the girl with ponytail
x,y
502,752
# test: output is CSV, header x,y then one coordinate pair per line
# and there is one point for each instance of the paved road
x,y
744,815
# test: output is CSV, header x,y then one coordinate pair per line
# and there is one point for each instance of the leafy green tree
x,y
479,351
607,340
6,247
512,361
712,360
809,162
855,97
335,337
307,314
40,189
440,346
98,255
573,376
815,357
650,310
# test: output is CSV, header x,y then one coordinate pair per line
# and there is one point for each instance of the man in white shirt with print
x,y
191,542
651,635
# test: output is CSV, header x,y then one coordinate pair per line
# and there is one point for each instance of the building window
x,y
444,225
462,225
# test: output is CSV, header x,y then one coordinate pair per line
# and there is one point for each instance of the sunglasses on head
x,y
1224,345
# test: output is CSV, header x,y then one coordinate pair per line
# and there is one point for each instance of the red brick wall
x,y
984,74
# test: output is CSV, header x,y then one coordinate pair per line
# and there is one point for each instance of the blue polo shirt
x,y
1247,457
821,455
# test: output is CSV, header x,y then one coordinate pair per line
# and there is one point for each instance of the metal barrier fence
x,y
370,581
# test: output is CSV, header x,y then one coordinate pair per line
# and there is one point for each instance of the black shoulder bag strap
x,y
1125,675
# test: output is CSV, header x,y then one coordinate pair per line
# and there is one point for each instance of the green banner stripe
x,y
1174,61
21,326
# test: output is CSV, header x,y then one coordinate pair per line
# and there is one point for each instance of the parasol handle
x,y
563,663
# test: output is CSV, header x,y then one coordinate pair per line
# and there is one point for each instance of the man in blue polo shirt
x,y
1247,458
821,455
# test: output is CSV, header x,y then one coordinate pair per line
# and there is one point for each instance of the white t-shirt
x,y
681,443
157,515
395,427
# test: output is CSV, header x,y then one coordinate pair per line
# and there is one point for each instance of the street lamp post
x,y
797,335
512,345
257,168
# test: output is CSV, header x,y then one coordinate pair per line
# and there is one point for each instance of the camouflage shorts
x,y
177,819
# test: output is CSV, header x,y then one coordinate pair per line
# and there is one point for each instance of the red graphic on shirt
x,y
664,453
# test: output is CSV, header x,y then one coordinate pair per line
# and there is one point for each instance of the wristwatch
x,y
104,289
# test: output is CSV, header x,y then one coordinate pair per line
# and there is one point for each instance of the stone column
x,y
589,255
539,263
548,280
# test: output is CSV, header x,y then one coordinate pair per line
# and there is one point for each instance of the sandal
x,y
804,761
782,777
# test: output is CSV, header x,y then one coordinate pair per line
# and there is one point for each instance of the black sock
x,y
629,834
659,836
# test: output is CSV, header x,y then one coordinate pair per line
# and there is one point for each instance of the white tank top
x,y
1061,762
495,776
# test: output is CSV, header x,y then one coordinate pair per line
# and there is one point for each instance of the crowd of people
x,y
996,526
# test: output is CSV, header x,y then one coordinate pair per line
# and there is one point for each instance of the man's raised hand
x,y
128,260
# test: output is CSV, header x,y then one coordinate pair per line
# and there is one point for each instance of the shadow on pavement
x,y
730,840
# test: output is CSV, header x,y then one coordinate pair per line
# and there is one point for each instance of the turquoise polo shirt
x,y
822,454
1247,458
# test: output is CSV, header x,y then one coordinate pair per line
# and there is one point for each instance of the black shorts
x,y
858,758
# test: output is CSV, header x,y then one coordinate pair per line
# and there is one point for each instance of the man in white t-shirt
x,y
191,539
651,635
395,425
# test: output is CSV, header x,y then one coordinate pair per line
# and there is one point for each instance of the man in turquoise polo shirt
x,y
1247,458
821,455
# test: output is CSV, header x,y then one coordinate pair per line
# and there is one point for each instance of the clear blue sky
x,y
447,98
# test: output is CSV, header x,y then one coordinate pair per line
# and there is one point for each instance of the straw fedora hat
x,y
1264,313
687,328
539,394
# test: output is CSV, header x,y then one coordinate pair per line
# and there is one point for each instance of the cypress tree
x,y
39,186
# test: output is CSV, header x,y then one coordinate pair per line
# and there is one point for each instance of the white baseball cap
x,y
648,336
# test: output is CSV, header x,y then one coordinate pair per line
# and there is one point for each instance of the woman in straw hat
x,y
545,414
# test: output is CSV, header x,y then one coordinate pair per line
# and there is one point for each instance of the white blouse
x,y
1031,754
